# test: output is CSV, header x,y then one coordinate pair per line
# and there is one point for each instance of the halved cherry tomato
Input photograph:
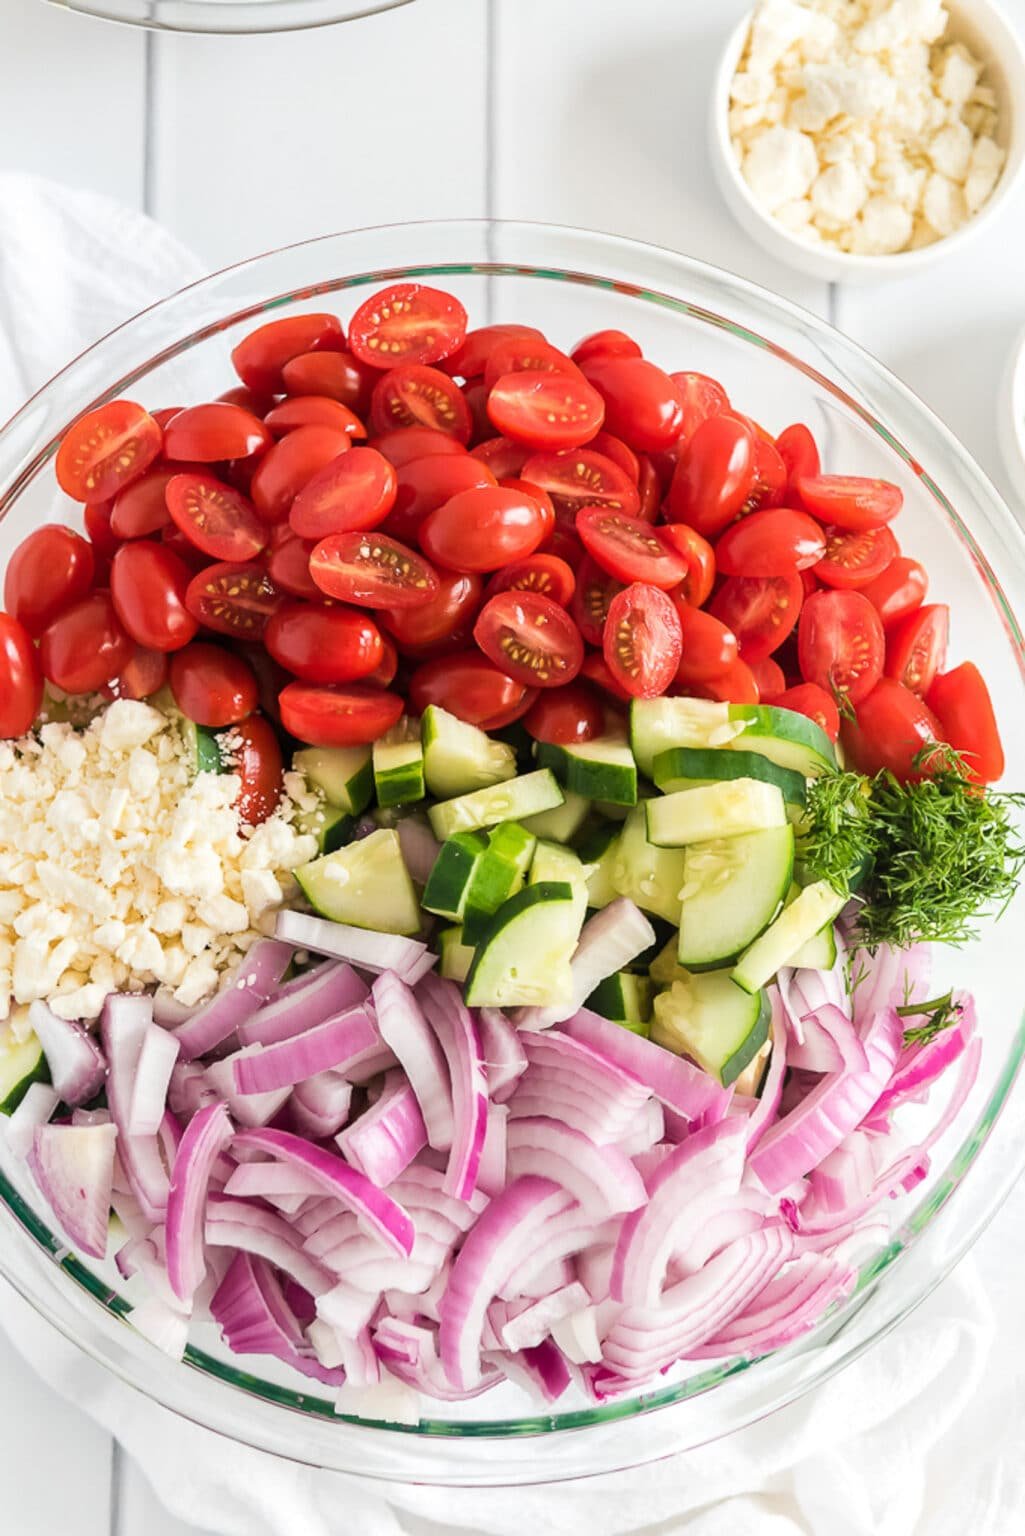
x,y
290,466
212,686
770,543
409,443
642,640
566,715
546,410
414,396
342,715
482,530
106,449
50,569
425,484
288,566
702,397
207,433
760,610
238,394
179,545
525,354
595,590
471,687
313,411
708,647
256,758
383,674
699,557
796,447
614,448
849,501
504,458
409,323
962,704
840,644
545,574
642,404
322,643
260,357
737,685
814,702
890,728
629,549
148,585
21,681
544,501
530,638
143,674
373,571
649,489
714,475
563,541
579,477
471,359
605,344
96,517
233,599
454,604
215,518
899,590
768,676
141,509
595,669
916,648
167,412
338,375
856,559
353,492
770,477
82,649
476,396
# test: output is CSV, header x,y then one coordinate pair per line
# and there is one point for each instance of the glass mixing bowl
x,y
229,16
781,365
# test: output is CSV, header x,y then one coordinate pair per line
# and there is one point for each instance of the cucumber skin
x,y
590,778
545,891
700,765
40,1073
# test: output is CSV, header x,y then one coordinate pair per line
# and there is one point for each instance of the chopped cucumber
x,y
449,881
331,827
498,874
562,822
650,876
459,757
689,767
398,760
524,958
806,915
715,1022
666,968
456,957
512,800
725,809
603,769
203,746
783,736
365,884
553,861
624,997
732,889
22,1063
599,849
819,954
344,774
656,724
751,1079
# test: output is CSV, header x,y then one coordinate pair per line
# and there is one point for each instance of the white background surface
x,y
589,112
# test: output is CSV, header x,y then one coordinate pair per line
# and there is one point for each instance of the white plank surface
x,y
139,1512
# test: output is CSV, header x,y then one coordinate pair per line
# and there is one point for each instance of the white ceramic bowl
x,y
986,31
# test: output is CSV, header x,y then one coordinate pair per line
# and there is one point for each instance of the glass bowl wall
x,y
780,365
239,17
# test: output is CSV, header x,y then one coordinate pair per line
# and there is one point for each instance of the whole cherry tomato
x,y
338,375
564,715
482,530
260,357
471,687
143,674
323,644
770,543
50,569
212,686
288,467
898,590
605,344
642,404
714,476
148,586
85,646
708,647
21,681
890,728
256,758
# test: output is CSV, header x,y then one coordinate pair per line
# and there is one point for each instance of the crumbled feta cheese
x,y
839,192
780,165
943,204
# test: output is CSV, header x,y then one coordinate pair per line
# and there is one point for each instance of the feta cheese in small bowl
x,y
859,139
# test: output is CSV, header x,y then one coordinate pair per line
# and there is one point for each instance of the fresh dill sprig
x,y
939,1014
840,841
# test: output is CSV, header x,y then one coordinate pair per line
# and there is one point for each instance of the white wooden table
x,y
586,112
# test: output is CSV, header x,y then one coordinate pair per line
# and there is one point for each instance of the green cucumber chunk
x,y
623,997
819,954
459,757
724,809
398,763
598,848
650,876
344,775
524,958
456,957
657,724
22,1063
449,881
689,767
732,889
331,827
512,800
498,874
806,915
785,737
365,884
562,822
603,769
715,1022
666,968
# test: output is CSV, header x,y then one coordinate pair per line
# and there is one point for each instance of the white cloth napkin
x,y
921,1437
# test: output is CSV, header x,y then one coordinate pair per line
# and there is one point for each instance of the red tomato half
x,y
768,676
853,560
260,357
504,458
916,648
544,574
649,489
413,396
531,639
353,492
454,604
595,590
409,443
409,323
232,599
814,702
215,518
771,543
341,716
526,354
579,477
714,475
760,610
546,410
84,647
702,397
373,571
708,647
629,549
471,359
289,467
605,344
141,508
615,449
50,569
106,449
323,644
849,501
642,404
482,530
890,728
288,566
840,644
143,674
642,640
796,447
961,701
595,669
313,411
737,685
21,681
338,375
899,590
208,433
699,557
425,484
212,686
256,758
148,586
471,687
383,674
96,516
572,713
770,477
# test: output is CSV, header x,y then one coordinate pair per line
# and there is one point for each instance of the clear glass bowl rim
x,y
228,18
540,1447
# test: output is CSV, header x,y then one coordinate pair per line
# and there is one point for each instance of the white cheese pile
x,y
856,125
121,867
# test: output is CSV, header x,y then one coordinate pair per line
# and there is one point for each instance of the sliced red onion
x,y
73,1165
124,1023
189,1090
254,1229
493,1172
168,1012
370,1064
830,1025
320,1106
345,1309
152,1079
888,978
784,1309
77,1067
405,1030
420,1189
419,847
411,1353
577,1336
674,1080
208,1134
408,958
601,1179
248,1109
386,1137
647,1129
918,1066
767,1108
456,1030
535,1322
255,1320
331,1045
259,1181
541,1370
307,1000
380,1215
243,992
918,1154
737,1216
608,942
505,1060
566,1233
165,1327
35,1109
